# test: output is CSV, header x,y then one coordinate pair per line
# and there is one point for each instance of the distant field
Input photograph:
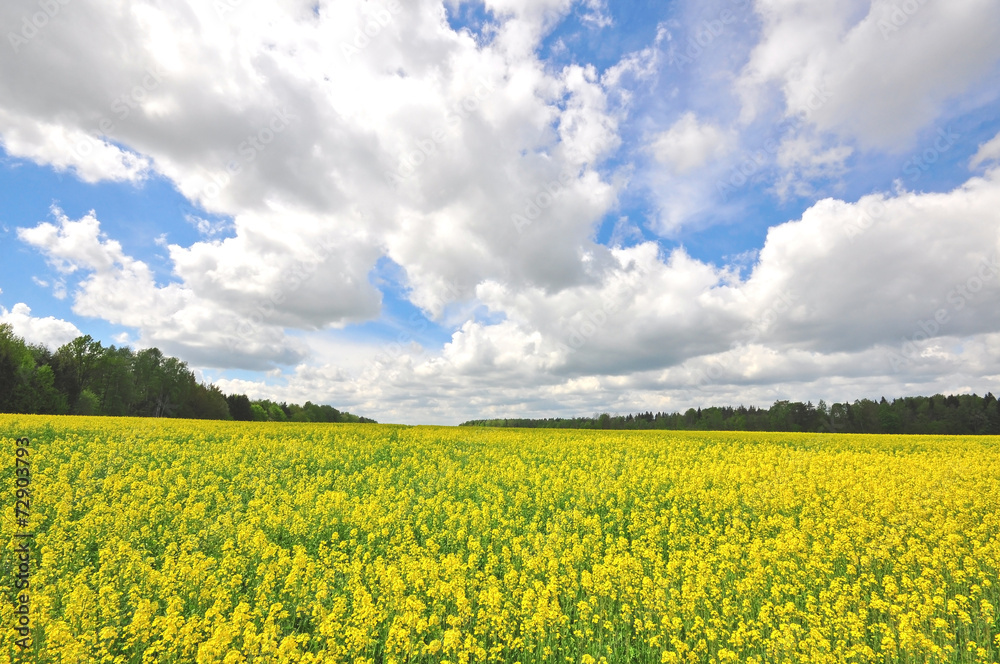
x,y
182,541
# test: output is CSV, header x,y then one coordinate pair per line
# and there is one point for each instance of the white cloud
x,y
688,162
888,295
690,144
597,14
822,87
804,159
245,114
74,245
988,152
525,22
122,290
868,273
49,331
833,300
870,71
639,67
206,227
625,233
306,276
65,148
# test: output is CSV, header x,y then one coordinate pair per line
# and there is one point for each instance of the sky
x,y
428,212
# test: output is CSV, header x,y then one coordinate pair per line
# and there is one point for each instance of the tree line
x,y
963,414
83,377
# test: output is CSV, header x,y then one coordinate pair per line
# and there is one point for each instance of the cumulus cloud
x,y
243,111
869,272
987,152
116,287
308,276
891,294
689,144
804,158
874,72
792,106
49,331
846,277
65,148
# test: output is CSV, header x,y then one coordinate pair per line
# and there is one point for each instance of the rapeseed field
x,y
183,541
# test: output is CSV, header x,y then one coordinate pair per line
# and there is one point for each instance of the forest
x,y
963,414
83,377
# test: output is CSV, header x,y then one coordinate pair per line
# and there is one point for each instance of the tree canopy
x,y
963,414
83,377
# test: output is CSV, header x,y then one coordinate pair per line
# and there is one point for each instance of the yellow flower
x,y
230,542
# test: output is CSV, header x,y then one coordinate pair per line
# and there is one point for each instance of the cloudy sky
x,y
426,211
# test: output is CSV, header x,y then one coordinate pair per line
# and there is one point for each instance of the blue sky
x,y
428,212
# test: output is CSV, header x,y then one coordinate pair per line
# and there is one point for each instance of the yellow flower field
x,y
183,541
